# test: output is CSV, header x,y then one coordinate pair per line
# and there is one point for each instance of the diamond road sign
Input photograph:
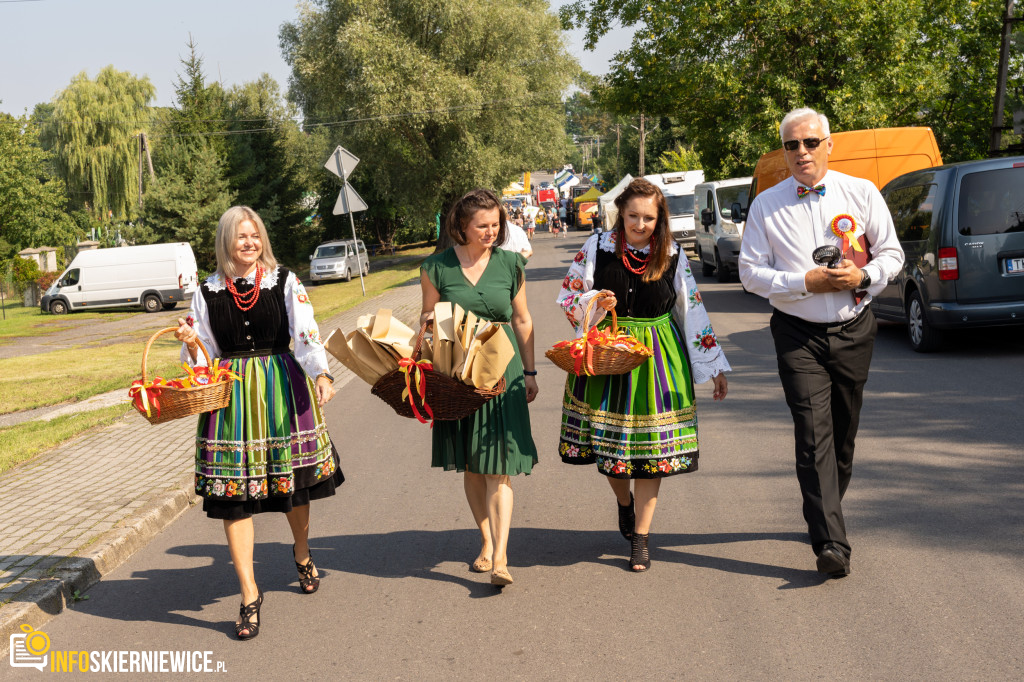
x,y
342,162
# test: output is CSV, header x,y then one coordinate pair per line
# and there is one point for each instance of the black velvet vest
x,y
636,298
261,330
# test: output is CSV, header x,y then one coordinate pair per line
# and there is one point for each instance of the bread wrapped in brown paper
x,y
488,356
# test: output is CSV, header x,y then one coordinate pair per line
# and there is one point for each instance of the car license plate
x,y
1015,266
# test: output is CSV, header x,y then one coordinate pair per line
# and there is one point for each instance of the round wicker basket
x,y
597,360
183,402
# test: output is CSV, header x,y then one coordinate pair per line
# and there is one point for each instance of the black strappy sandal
x,y
246,613
306,577
627,518
639,555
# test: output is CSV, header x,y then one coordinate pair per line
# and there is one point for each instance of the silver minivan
x,y
338,260
962,229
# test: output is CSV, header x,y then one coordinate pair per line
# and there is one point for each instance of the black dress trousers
x,y
823,369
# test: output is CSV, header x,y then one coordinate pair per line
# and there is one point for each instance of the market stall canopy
x,y
611,213
512,190
591,194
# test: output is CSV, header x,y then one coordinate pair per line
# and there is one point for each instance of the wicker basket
x,y
447,398
184,402
597,360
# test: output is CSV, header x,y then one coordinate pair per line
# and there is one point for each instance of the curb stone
x,y
44,599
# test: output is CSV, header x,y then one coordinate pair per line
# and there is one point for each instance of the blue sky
x,y
44,43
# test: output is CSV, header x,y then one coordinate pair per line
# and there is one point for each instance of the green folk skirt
x,y
637,425
496,439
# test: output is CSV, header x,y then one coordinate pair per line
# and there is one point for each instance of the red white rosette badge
x,y
844,226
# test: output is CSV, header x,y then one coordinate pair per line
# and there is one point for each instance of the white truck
x,y
678,190
153,276
722,206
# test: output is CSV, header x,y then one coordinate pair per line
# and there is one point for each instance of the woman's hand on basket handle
x,y
608,302
188,336
721,386
324,390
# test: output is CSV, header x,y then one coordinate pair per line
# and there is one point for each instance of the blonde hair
x,y
227,231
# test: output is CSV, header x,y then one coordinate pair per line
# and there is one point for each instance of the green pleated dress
x,y
496,439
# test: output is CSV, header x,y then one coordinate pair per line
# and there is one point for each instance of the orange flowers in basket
x,y
146,396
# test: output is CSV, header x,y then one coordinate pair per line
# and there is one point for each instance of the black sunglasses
x,y
809,143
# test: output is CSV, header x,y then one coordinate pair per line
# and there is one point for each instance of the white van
x,y
678,190
722,206
154,276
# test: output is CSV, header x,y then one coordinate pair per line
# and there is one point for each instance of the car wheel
x,y
170,306
58,308
152,303
348,275
366,269
314,282
924,338
722,271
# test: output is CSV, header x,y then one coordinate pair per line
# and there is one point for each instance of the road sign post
x,y
341,163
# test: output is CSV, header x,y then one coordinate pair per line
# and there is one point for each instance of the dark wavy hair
x,y
662,251
463,210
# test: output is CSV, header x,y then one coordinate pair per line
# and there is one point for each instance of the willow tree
x,y
439,97
94,131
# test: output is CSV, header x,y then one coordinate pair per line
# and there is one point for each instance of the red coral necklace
x,y
641,262
247,300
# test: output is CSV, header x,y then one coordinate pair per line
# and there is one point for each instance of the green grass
x,y
73,374
330,299
21,321
23,441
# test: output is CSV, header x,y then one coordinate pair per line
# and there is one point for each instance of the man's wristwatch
x,y
330,377
865,280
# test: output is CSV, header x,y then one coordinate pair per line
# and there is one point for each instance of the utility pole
x,y
996,140
643,140
617,135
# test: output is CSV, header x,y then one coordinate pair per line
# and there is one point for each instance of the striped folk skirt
x,y
637,425
268,450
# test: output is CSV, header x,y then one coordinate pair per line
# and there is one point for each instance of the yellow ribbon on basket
x,y
410,368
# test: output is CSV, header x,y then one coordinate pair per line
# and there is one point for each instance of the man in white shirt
x,y
516,240
824,331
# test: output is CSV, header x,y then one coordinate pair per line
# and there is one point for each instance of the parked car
x,y
153,276
337,260
722,207
962,229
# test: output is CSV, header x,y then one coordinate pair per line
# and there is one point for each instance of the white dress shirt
x,y
782,230
516,240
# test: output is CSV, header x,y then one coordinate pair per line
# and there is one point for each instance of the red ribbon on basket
x,y
410,367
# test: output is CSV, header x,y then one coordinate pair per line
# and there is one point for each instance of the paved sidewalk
x,y
70,516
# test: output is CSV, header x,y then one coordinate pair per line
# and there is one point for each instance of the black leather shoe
x,y
832,562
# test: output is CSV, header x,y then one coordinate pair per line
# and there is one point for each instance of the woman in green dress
x,y
494,443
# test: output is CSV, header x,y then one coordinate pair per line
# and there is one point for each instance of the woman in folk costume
x,y
640,426
268,450
495,442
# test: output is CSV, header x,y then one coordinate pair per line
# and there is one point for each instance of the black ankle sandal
x,y
627,518
306,577
246,613
639,555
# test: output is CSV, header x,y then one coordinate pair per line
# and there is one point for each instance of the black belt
x,y
255,353
823,327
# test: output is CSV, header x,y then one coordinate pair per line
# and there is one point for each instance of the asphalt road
x,y
935,515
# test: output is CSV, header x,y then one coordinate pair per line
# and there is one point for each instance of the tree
x,y
434,97
191,189
730,70
94,132
32,199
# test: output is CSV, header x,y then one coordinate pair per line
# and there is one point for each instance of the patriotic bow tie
x,y
802,191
